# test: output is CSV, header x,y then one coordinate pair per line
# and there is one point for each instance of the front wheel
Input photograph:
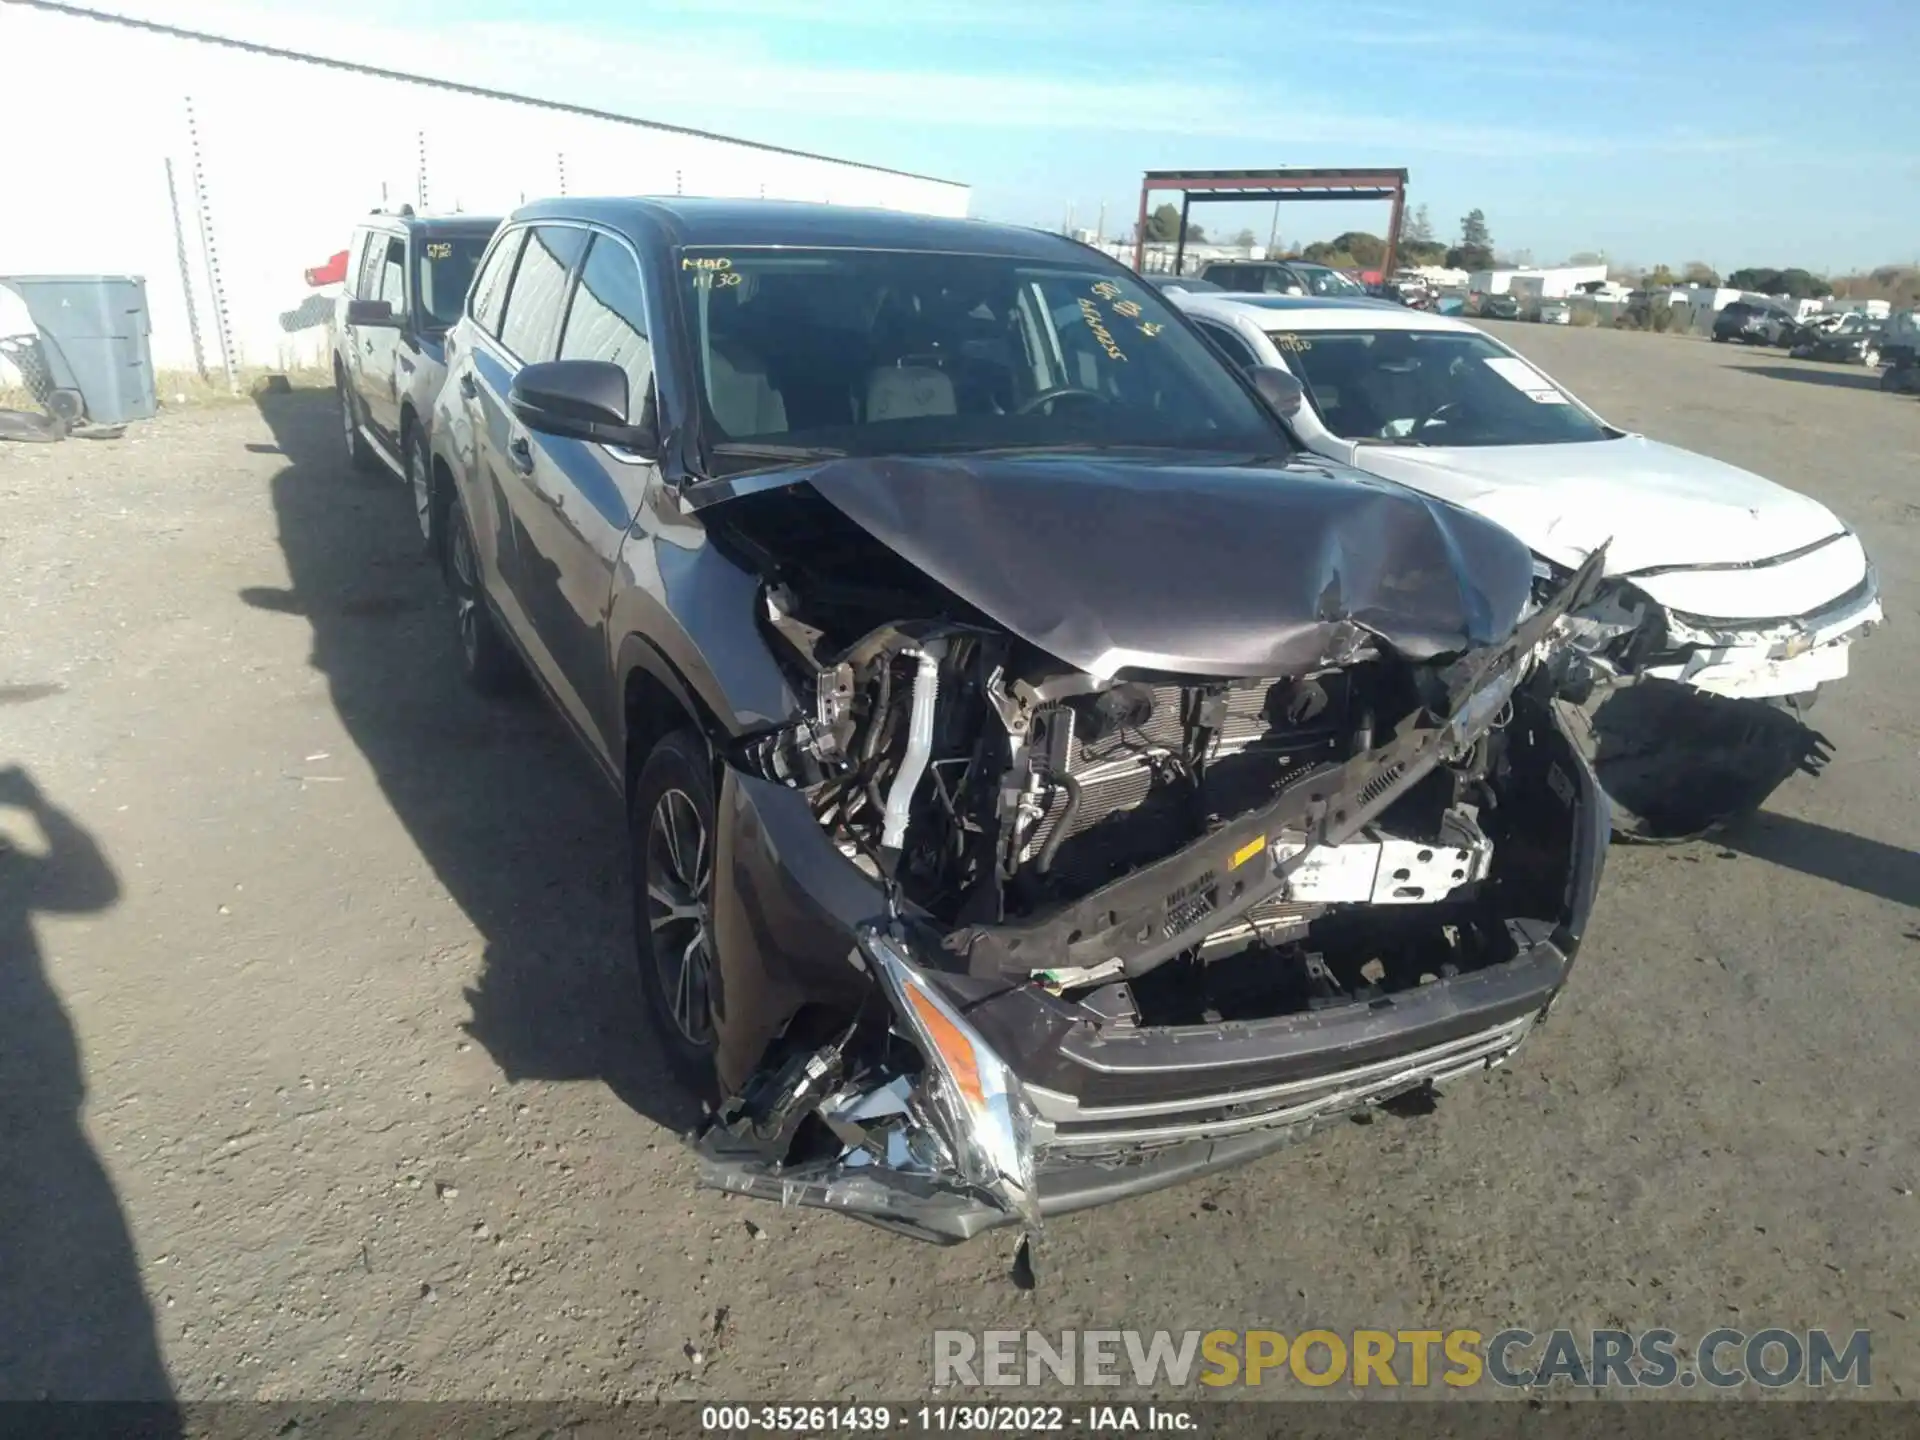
x,y
1678,763
359,453
486,661
419,482
670,825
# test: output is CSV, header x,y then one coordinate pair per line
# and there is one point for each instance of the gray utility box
x,y
94,339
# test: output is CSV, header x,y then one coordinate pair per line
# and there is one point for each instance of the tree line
x,y
1361,250
1356,249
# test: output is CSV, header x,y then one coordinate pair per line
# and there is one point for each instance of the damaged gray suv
x,y
1044,785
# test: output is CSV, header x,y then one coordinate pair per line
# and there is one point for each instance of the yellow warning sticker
x,y
1247,851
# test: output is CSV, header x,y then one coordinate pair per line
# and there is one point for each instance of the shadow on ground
x,y
1840,376
1869,866
75,1322
511,817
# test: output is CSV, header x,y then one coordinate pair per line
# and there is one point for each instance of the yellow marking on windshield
x,y
439,249
1090,312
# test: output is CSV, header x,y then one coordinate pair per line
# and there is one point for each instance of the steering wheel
x,y
1434,416
1060,392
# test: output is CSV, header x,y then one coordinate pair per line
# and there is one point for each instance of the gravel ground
x,y
321,1071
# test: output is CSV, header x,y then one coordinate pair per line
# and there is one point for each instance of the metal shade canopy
x,y
1288,184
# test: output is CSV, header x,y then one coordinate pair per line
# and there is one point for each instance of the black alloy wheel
x,y
671,828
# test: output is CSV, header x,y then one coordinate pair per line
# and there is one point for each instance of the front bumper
x,y
1119,1108
1786,657
1078,1174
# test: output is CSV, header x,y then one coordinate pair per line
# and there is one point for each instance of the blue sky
x,y
1734,131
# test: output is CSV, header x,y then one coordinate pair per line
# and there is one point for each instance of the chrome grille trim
x,y
1066,1127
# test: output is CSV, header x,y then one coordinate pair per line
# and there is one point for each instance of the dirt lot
x,y
321,1070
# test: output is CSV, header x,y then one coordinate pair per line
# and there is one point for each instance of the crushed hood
x,y
1199,569
1659,505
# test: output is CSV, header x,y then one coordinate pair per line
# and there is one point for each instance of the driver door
x,y
380,344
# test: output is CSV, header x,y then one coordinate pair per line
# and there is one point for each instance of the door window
x,y
608,317
356,259
393,276
367,261
532,322
490,290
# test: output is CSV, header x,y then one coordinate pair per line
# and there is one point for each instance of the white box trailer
x,y
282,154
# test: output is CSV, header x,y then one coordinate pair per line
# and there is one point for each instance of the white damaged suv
x,y
1729,600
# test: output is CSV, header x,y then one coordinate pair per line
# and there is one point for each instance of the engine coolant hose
x,y
913,764
1043,862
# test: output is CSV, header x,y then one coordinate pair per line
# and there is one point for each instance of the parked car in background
x,y
1852,340
1551,312
1044,784
1409,288
1750,323
405,281
1728,600
1809,327
1281,277
1501,306
1191,283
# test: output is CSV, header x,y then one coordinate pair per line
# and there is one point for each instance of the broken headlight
x,y
975,1097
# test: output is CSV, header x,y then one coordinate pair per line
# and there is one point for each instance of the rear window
x,y
1233,277
532,324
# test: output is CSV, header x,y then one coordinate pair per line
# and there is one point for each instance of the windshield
x,y
1322,281
866,352
447,263
1429,387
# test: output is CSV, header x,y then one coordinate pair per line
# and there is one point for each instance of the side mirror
x,y
1279,388
583,399
371,312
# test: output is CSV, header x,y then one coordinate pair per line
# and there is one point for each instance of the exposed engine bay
x,y
990,789
1137,855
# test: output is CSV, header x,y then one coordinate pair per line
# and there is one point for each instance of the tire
x,y
670,827
1870,358
419,484
359,454
487,661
